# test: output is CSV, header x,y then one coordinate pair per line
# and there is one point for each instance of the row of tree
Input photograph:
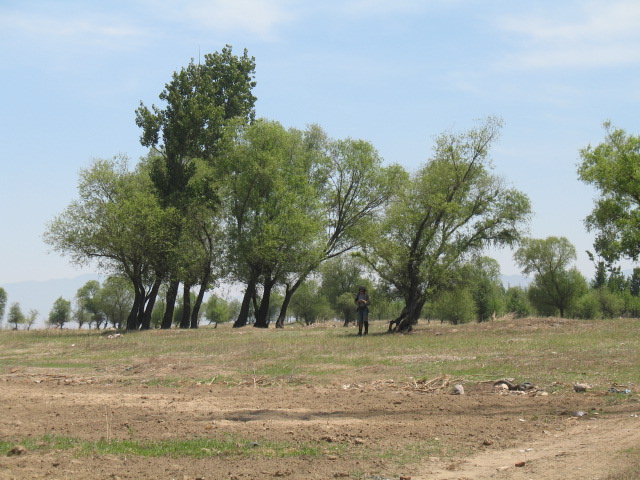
x,y
223,197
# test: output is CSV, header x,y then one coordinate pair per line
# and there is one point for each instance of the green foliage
x,y
613,168
309,305
555,286
89,307
587,307
517,301
15,316
219,310
60,313
452,208
345,307
115,299
202,100
483,278
457,306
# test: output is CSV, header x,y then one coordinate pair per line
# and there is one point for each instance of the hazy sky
x,y
395,73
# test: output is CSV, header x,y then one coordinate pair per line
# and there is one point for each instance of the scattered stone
x,y
502,469
405,477
17,450
328,438
332,457
487,443
579,413
458,390
521,464
581,387
358,441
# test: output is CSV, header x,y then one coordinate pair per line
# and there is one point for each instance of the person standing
x,y
362,302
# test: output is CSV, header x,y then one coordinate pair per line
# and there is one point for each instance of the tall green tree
x,y
274,210
60,312
613,168
200,102
15,316
357,189
556,285
448,211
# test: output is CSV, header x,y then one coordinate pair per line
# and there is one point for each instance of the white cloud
x,y
258,17
600,34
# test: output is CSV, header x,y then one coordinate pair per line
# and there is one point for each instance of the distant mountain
x,y
40,295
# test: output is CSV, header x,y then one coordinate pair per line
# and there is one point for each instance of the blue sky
x,y
395,73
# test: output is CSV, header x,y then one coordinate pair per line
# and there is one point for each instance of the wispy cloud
x,y
65,29
589,35
258,17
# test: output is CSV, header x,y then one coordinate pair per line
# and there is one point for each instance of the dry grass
x,y
547,351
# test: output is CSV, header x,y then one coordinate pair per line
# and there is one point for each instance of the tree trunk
x,y
288,294
262,314
243,316
196,307
409,316
138,299
170,301
186,306
153,294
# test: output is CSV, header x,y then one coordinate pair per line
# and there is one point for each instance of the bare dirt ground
x,y
386,432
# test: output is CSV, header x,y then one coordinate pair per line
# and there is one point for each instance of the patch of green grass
x,y
412,453
195,447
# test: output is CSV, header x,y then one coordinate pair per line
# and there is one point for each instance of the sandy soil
x,y
385,431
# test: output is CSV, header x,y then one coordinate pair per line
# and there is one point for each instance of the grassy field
x,y
541,351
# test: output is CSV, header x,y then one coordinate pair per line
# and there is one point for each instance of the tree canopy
x,y
613,168
451,209
556,284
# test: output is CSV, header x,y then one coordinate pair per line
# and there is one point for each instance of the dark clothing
x,y
362,301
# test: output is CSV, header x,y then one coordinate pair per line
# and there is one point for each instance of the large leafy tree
x,y
274,209
358,187
613,168
119,225
200,102
448,211
556,285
